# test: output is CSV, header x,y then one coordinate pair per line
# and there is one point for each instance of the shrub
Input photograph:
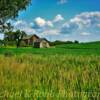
x,y
8,53
76,42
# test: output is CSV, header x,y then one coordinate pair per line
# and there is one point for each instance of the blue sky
x,y
50,8
61,19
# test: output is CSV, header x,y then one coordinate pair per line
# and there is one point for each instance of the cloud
x,y
20,24
1,36
23,26
62,1
40,21
58,18
98,25
85,33
43,26
51,32
68,28
38,26
87,21
49,23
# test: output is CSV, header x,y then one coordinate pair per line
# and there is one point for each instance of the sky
x,y
61,19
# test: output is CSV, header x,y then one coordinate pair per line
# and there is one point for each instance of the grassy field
x,y
60,73
51,51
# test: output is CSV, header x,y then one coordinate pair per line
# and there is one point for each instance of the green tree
x,y
76,41
9,9
18,36
14,37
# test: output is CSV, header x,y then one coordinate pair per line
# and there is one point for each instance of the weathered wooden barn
x,y
30,39
35,41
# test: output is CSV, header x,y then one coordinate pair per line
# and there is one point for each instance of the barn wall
x,y
36,45
44,44
33,39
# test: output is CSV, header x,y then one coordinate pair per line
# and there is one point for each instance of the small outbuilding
x,y
41,43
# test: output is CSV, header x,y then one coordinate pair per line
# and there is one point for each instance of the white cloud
x,y
40,21
29,30
58,18
88,18
1,36
85,33
68,28
20,24
49,23
87,21
98,25
51,32
80,22
23,26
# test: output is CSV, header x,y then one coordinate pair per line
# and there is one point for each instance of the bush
x,y
22,44
9,43
8,53
76,42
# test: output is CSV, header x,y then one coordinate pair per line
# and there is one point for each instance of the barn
x,y
41,43
36,41
30,39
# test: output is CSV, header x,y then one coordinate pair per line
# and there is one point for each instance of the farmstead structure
x,y
35,41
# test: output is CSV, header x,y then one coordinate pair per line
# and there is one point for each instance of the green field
x,y
92,48
65,72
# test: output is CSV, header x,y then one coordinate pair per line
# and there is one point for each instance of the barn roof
x,y
29,36
41,39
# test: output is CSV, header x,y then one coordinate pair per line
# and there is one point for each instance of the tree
x,y
76,41
18,36
9,9
14,37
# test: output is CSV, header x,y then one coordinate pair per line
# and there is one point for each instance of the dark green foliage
x,y
60,42
14,37
2,43
76,42
9,9
8,53
18,35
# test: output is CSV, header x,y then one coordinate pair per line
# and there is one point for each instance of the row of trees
x,y
9,10
57,42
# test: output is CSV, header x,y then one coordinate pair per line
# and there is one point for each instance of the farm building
x,y
35,41
41,43
30,39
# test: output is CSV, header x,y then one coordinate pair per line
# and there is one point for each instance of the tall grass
x,y
28,77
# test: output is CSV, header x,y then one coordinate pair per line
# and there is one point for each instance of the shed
x,y
41,43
